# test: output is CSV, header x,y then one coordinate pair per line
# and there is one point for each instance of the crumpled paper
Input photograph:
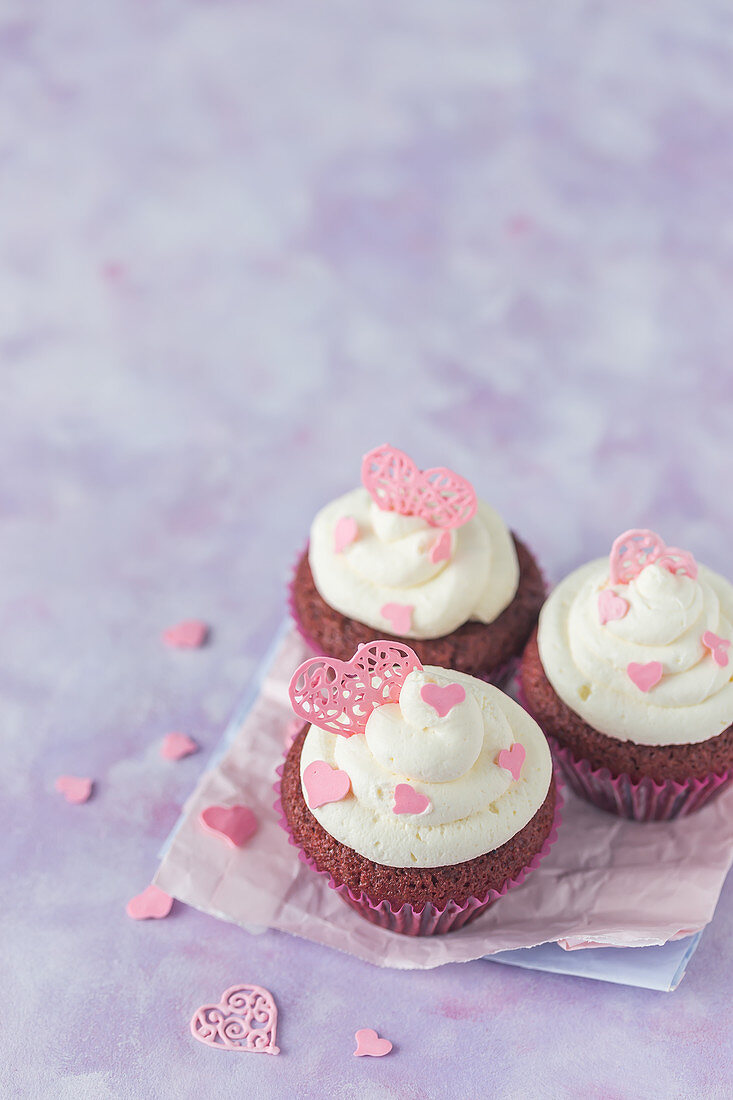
x,y
606,882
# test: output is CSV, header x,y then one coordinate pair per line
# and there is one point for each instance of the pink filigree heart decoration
x,y
440,497
339,696
638,547
244,1019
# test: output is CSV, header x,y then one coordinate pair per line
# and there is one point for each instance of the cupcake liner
x,y
643,799
499,677
429,920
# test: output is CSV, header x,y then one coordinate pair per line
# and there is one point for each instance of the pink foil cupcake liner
x,y
499,677
644,799
428,920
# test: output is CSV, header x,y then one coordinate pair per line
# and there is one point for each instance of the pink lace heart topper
x,y
244,1019
340,695
438,496
637,548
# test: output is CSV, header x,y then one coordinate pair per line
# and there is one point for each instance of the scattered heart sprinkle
x,y
442,699
74,788
512,759
325,784
186,635
177,745
408,801
369,1044
152,904
233,824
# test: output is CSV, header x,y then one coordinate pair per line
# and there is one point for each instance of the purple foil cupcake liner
x,y
428,920
499,677
644,799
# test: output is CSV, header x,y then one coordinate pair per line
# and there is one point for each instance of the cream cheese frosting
x,y
474,805
591,663
390,563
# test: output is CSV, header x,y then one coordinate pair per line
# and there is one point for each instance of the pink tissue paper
x,y
606,882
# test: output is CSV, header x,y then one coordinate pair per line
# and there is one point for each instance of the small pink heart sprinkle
x,y
368,1044
717,647
408,801
325,784
512,759
345,532
611,606
187,635
440,549
645,676
74,789
177,745
399,615
442,699
152,904
235,824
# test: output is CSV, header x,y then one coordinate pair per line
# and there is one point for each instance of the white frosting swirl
x,y
390,563
587,662
475,805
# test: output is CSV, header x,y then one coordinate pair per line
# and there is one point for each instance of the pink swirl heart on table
x,y
399,615
611,606
442,699
440,497
718,647
408,801
234,824
369,1044
74,788
645,676
177,745
340,695
187,635
440,549
244,1019
635,549
152,904
325,784
512,759
345,532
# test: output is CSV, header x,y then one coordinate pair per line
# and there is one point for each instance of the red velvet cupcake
x,y
629,676
422,795
414,556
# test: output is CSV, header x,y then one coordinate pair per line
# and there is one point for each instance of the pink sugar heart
x,y
186,635
177,745
245,1019
408,801
440,549
234,824
152,904
717,646
325,784
368,1044
512,759
611,606
442,699
345,532
399,615
645,676
74,788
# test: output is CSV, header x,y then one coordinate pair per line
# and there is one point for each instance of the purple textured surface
x,y
241,244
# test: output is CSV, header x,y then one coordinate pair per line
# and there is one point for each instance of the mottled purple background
x,y
241,243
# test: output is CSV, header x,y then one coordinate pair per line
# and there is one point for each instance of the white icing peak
x,y
587,660
391,562
474,805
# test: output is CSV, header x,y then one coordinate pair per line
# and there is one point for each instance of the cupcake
x,y
414,556
629,675
421,794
